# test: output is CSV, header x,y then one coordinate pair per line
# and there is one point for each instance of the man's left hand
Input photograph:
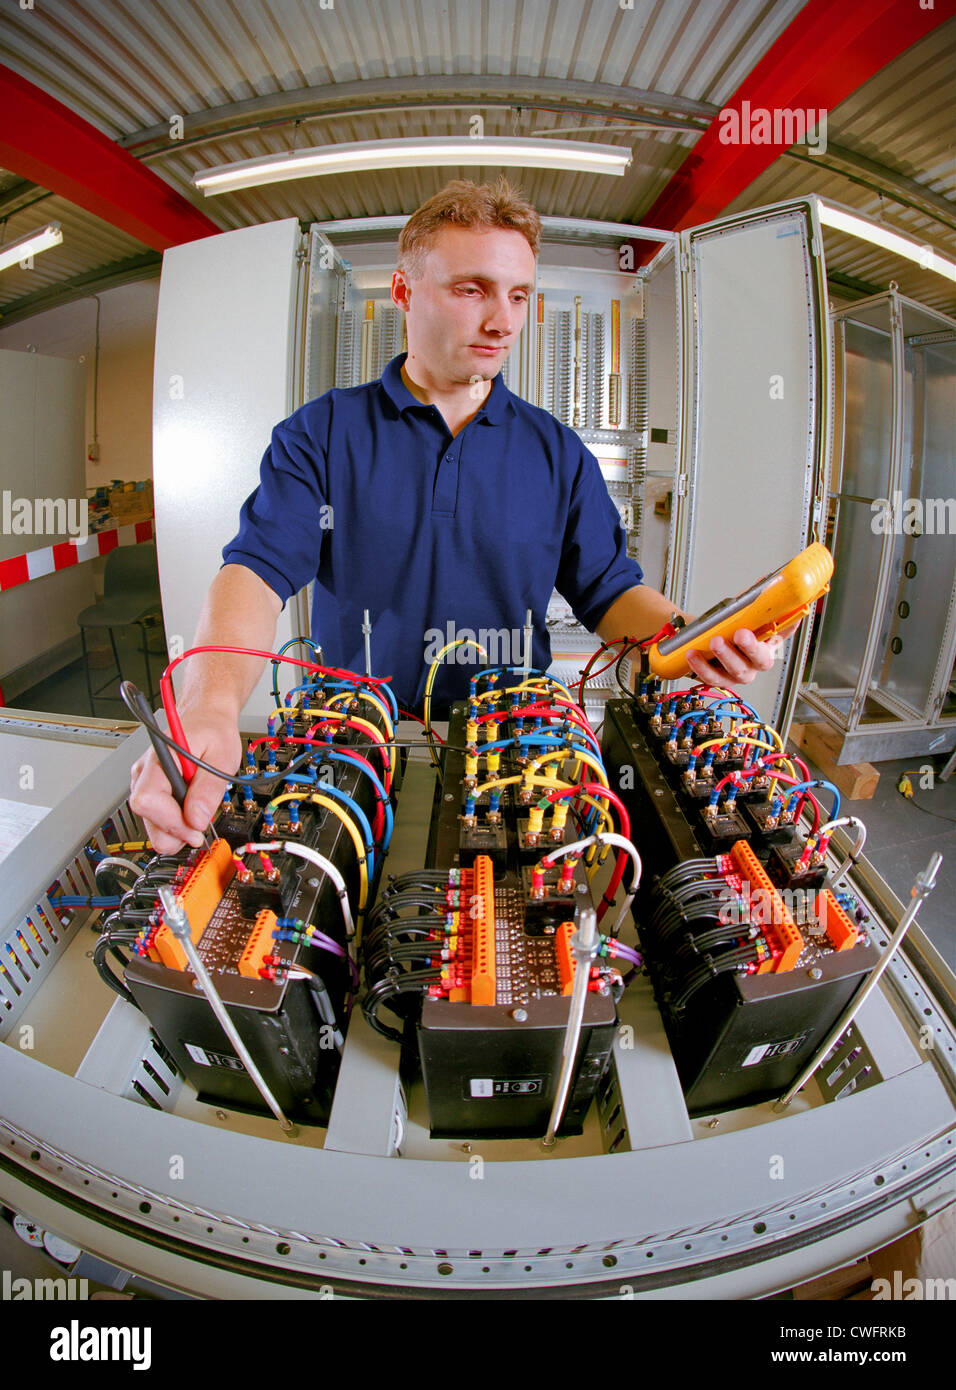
x,y
737,662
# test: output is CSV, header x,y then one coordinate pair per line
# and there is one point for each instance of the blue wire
x,y
75,900
379,786
795,791
544,741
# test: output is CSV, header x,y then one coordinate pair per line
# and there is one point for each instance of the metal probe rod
x,y
576,390
367,630
584,946
175,917
924,884
528,629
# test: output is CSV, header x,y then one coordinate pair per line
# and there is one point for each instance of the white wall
x,y
46,427
125,391
41,456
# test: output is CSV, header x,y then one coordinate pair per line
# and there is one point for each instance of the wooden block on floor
x,y
856,781
839,1283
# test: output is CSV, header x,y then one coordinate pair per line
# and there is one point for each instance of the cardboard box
x,y
132,503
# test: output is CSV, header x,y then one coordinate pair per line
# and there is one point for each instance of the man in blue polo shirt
x,y
434,498
432,532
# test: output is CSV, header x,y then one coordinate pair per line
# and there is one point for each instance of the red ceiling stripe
x,y
825,54
43,140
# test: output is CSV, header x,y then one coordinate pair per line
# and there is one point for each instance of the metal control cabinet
x,y
699,381
883,665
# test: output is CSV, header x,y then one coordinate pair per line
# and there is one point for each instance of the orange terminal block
x,y
474,926
258,946
774,921
566,961
199,896
484,985
842,933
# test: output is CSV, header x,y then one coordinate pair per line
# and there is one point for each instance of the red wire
x,y
779,777
359,758
587,672
169,698
407,714
624,822
379,743
560,709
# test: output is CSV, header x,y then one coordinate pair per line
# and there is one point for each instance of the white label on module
x,y
773,1049
482,1086
205,1058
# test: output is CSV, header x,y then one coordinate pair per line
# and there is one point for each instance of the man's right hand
x,y
216,740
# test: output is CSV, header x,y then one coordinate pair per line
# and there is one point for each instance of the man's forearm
x,y
639,612
240,611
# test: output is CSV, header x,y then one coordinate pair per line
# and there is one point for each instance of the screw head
x,y
658,791
816,973
519,1015
221,1115
313,882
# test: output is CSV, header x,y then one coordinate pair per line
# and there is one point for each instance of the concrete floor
x,y
901,835
66,691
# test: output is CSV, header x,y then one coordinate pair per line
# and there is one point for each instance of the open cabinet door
x,y
228,360
755,415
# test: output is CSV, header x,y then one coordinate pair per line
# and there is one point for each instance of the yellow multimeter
x,y
777,601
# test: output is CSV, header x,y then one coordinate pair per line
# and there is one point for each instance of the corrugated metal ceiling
x,y
243,72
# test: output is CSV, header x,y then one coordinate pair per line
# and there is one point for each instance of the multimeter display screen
x,y
726,608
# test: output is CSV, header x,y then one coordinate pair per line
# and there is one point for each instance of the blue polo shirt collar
x,y
496,409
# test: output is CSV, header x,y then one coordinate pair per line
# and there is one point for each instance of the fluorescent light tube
x,y
411,154
924,255
30,245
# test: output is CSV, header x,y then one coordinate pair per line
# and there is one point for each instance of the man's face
x,y
465,311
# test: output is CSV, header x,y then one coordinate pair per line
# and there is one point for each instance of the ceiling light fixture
x,y
30,245
841,220
576,155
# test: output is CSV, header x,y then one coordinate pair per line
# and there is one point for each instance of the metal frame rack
x,y
883,662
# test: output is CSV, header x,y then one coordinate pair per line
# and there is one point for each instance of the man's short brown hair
x,y
465,204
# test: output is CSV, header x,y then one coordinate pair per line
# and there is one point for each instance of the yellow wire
x,y
285,710
374,700
377,735
537,682
579,755
754,743
541,684
350,826
430,681
558,786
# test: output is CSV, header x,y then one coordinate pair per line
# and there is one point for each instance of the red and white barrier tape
x,y
20,569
